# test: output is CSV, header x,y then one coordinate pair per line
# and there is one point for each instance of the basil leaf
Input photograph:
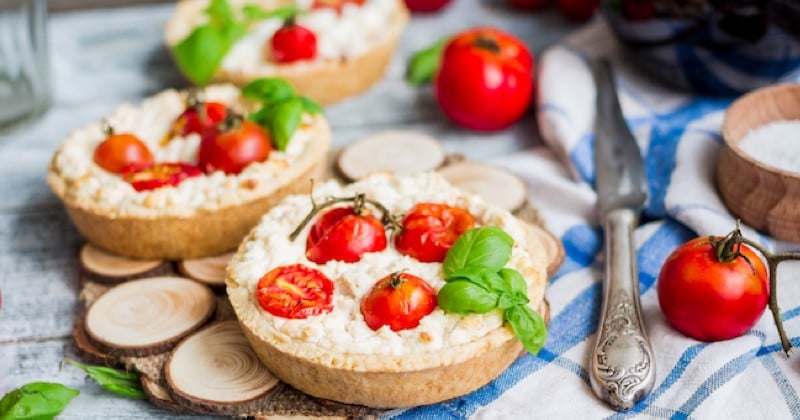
x,y
528,326
254,12
485,247
486,278
37,400
465,297
269,90
310,106
285,119
200,54
262,117
424,64
516,283
220,13
119,382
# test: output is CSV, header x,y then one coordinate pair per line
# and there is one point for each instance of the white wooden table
x,y
102,57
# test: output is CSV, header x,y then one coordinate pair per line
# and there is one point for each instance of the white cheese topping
x,y
85,181
343,329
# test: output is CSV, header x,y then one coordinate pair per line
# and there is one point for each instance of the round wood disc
x,y
395,151
496,186
159,397
87,349
209,270
148,316
104,267
215,370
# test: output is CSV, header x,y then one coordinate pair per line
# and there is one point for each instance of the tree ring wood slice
x,y
159,396
148,316
495,185
553,248
104,267
209,270
395,151
88,351
216,371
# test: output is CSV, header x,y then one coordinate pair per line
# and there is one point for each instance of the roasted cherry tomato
x,y
399,300
199,117
530,4
426,6
232,149
159,175
578,9
120,151
711,300
337,5
485,80
295,291
430,230
293,43
342,235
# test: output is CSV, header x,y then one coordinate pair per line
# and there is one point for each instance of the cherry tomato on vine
x,y
530,4
708,299
120,151
578,9
231,149
159,175
295,292
426,6
342,235
293,43
485,80
399,300
337,5
430,230
199,117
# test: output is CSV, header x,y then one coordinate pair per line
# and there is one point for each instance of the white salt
x,y
776,144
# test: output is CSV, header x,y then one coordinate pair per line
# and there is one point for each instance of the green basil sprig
x,y
282,108
126,384
423,65
36,400
200,54
477,283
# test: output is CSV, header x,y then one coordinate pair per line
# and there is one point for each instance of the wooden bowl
x,y
764,197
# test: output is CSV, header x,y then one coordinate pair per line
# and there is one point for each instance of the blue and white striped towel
x,y
747,377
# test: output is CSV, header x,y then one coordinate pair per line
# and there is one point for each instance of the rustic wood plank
x,y
55,6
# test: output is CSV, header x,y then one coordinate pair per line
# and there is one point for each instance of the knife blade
x,y
622,362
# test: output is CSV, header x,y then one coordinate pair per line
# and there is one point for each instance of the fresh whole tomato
x,y
343,235
530,4
120,151
293,43
485,80
426,6
199,117
430,230
295,292
231,149
399,300
159,175
578,9
710,300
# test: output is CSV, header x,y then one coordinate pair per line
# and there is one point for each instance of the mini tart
x,y
336,356
202,216
326,79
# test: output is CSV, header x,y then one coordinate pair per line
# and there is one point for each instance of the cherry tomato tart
x,y
429,230
342,235
399,300
295,292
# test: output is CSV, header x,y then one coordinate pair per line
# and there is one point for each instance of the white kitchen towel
x,y
748,377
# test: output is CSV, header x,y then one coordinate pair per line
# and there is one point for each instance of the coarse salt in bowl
x,y
758,172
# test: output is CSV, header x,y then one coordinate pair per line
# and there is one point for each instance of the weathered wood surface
x,y
103,57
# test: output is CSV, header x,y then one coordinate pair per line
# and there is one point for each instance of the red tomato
x,y
638,9
120,151
293,43
337,5
530,4
399,300
426,6
711,300
342,235
295,291
430,230
231,150
578,9
198,118
485,80
159,175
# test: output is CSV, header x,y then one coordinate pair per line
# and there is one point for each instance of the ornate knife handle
x,y
622,365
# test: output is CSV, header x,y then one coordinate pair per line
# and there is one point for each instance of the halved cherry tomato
x,y
199,117
232,149
430,230
337,5
120,151
159,175
295,291
399,300
293,43
342,235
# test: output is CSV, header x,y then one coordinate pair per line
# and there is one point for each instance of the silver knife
x,y
622,363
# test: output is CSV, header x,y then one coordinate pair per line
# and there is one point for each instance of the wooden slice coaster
x,y
148,316
86,348
216,371
101,266
396,151
159,396
553,248
209,270
494,185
